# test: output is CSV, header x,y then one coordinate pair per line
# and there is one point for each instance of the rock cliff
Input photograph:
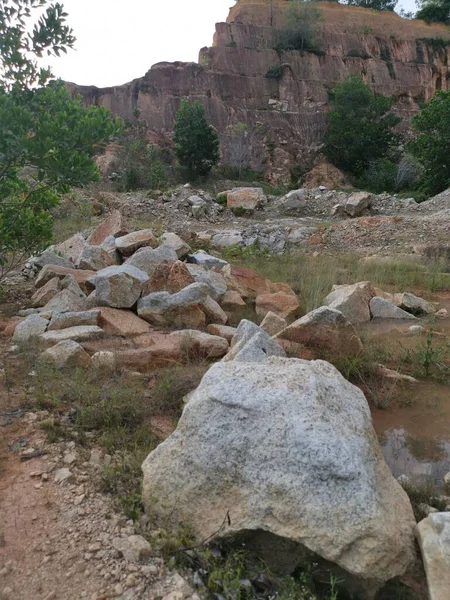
x,y
408,60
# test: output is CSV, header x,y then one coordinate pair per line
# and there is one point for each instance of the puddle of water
x,y
414,433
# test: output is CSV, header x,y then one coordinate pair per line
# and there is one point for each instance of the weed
x,y
423,494
123,480
429,358
235,252
356,53
274,72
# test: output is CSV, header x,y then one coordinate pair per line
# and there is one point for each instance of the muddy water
x,y
414,431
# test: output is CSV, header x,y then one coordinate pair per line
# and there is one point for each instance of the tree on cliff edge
x,y
47,138
374,4
196,142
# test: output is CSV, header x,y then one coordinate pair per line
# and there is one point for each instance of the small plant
x,y
274,72
221,198
423,494
430,355
356,53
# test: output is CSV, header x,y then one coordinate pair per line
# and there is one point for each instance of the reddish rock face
x,y
388,52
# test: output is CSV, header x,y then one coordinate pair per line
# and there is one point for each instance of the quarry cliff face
x,y
396,57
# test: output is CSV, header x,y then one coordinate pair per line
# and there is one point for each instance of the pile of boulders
x,y
122,298
361,302
129,298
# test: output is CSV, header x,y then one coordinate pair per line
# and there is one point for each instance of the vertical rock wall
x,y
408,60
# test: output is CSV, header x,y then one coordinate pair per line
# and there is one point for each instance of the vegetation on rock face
x,y
300,33
360,126
196,142
139,163
374,4
47,138
432,145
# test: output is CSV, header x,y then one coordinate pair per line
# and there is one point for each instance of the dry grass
x,y
312,277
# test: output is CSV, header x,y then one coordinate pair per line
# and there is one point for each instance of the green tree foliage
x,y
140,165
47,138
434,11
374,4
432,144
302,21
196,142
360,126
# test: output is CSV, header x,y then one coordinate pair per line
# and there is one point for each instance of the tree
x,y
47,138
238,142
300,33
196,142
374,4
360,126
434,11
139,164
432,145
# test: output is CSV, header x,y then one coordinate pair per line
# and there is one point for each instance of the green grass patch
x,y
312,277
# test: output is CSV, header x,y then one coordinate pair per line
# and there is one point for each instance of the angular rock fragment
x,y
326,331
67,353
119,286
128,244
383,309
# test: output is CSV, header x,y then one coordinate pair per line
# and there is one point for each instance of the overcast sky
x,y
119,40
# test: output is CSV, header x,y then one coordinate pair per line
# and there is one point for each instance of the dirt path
x,y
57,539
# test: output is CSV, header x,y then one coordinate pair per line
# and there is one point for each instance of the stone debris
x,y
119,286
128,244
67,353
383,309
32,327
114,225
414,305
352,301
326,331
434,541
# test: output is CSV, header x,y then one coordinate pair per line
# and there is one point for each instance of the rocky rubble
x,y
86,550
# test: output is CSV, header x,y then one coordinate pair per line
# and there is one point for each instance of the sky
x,y
119,40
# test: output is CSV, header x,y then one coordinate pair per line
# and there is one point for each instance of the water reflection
x,y
419,458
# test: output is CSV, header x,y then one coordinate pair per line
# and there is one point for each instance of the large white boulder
x,y
285,446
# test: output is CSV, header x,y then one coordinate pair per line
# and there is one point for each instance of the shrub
x,y
379,177
139,164
222,198
358,54
301,32
274,72
432,144
47,137
434,11
360,126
